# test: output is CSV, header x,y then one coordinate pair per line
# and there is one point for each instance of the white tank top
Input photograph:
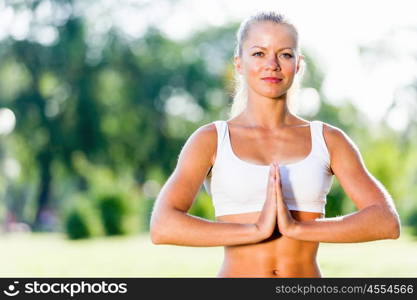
x,y
237,186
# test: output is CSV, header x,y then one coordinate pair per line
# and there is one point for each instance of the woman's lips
x,y
272,79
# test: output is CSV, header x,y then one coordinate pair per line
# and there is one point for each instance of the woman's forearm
x,y
375,222
179,228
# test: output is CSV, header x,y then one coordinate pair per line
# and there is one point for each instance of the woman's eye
x,y
258,54
288,55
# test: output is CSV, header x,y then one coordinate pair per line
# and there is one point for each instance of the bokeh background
x,y
98,97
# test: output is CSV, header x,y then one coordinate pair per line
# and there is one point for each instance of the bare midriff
x,y
277,256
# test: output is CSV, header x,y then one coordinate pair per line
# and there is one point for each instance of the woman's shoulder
x,y
334,134
204,140
206,131
339,143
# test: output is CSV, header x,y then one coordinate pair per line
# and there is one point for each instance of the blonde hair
x,y
240,97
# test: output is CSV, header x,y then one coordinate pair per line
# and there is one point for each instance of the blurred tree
x,y
392,153
114,110
129,105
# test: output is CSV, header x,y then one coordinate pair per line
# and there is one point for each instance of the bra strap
x,y
318,140
221,134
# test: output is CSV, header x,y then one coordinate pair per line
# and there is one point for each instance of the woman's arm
x,y
170,222
376,217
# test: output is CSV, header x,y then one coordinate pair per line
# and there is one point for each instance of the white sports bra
x,y
237,186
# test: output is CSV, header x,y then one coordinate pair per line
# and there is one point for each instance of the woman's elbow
x,y
155,235
156,232
393,225
163,225
395,228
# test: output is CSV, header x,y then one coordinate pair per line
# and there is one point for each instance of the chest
x,y
264,148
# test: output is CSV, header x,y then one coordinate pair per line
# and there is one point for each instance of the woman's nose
x,y
272,63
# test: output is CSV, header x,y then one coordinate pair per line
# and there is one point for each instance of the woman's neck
x,y
267,113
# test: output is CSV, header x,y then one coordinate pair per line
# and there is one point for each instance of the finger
x,y
270,178
271,183
277,171
271,170
272,173
276,174
277,184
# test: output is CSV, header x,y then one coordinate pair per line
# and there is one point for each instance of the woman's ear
x,y
238,64
300,58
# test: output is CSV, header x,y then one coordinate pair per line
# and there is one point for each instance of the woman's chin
x,y
273,95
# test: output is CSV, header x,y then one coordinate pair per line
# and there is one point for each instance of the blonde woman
x,y
268,172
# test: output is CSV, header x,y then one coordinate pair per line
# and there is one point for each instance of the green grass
x,y
51,255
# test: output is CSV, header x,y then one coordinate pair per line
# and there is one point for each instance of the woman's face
x,y
268,61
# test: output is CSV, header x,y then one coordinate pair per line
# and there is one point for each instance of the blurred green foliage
x,y
107,121
203,207
116,214
82,220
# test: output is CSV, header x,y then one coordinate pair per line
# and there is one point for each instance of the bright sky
x,y
331,31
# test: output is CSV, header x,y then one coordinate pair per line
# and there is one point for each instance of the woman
x,y
269,171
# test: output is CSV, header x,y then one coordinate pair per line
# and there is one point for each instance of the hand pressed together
x,y
267,220
275,211
286,223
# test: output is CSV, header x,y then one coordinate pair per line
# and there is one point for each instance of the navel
x,y
275,272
